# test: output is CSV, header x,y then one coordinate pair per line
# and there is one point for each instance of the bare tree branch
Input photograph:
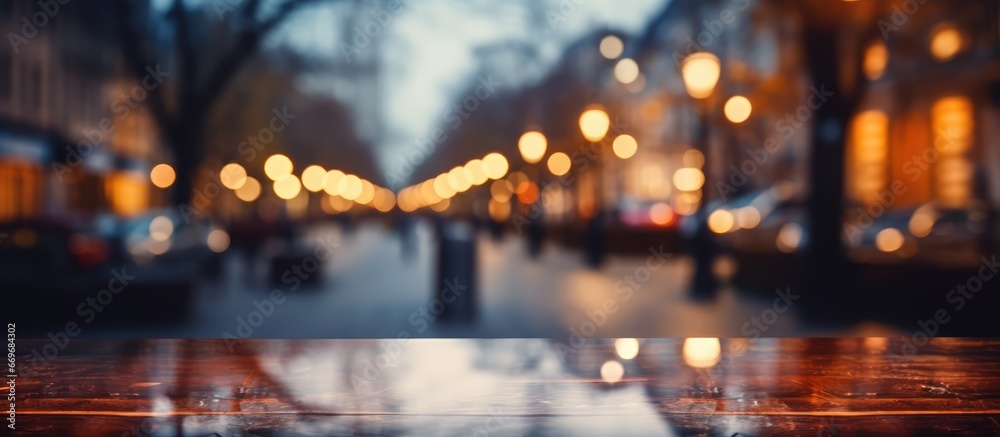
x,y
136,60
247,44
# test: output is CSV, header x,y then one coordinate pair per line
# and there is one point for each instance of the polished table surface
x,y
517,387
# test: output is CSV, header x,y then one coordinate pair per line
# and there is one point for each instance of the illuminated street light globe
x,y
532,146
594,123
277,166
495,165
701,73
737,109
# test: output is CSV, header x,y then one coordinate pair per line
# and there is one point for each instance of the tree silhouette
x,y
181,108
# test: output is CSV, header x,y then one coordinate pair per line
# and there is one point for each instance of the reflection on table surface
x,y
512,387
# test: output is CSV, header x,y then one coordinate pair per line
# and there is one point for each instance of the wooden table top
x,y
512,387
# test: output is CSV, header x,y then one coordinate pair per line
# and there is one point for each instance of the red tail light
x,y
88,251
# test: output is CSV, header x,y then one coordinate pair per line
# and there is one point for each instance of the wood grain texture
x,y
510,387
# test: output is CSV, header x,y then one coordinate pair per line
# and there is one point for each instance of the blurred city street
x,y
371,289
381,168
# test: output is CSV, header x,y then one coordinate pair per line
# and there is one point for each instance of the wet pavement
x,y
371,289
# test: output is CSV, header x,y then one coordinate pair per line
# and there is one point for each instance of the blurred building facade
x,y
75,137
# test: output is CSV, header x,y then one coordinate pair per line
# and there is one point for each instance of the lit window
x,y
869,152
952,124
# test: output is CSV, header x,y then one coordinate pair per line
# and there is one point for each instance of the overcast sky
x,y
427,49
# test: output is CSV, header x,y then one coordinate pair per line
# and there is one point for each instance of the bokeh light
x,y
277,166
314,178
737,109
532,146
624,146
233,176
162,175
559,163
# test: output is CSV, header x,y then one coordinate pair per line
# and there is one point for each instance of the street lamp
x,y
701,72
532,146
594,123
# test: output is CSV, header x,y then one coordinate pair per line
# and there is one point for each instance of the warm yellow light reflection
x,y
594,124
314,178
386,202
721,221
495,165
624,146
747,217
161,228
737,109
527,192
499,210
612,47
661,214
367,193
352,187
287,187
702,353
442,188
502,190
789,237
477,172
277,166
218,241
627,348
233,176
250,190
922,222
946,43
626,71
693,158
162,175
700,72
876,59
889,240
688,179
460,179
532,146
441,206
612,371
336,204
335,182
559,163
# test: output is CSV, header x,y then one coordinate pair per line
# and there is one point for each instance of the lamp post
x,y
594,124
700,72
